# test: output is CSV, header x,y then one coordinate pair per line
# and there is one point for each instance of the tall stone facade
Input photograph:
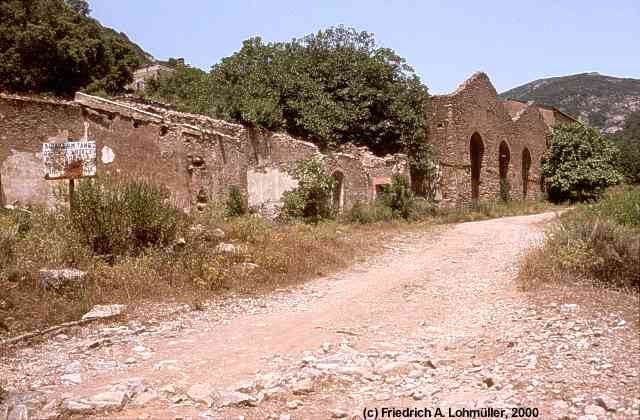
x,y
487,148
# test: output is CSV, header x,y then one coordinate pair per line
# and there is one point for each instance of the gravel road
x,y
434,322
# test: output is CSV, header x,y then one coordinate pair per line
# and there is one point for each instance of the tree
x,y
187,88
48,47
330,88
628,141
579,163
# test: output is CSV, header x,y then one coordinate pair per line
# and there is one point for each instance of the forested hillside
x,y
55,47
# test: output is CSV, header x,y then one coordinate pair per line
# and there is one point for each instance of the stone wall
x,y
195,157
26,123
467,128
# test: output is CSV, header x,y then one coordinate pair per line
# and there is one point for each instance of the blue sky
x,y
445,41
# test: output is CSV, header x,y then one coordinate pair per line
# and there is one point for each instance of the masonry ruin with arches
x,y
485,149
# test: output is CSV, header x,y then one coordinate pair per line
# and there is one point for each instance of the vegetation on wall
x,y
53,46
579,163
330,88
311,199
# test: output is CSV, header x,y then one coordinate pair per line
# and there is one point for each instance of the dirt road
x,y
435,322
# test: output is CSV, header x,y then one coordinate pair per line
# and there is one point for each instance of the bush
x,y
579,163
311,199
368,213
600,241
236,204
398,197
8,239
115,217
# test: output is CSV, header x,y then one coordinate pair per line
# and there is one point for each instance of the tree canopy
x,y
331,88
579,163
52,46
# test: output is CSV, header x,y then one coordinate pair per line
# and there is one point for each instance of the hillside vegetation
x,y
601,101
54,47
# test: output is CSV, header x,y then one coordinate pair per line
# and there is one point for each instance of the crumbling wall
x,y
195,157
474,111
26,123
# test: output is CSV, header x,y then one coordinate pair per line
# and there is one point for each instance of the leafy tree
x,y
628,141
330,88
579,163
49,46
187,88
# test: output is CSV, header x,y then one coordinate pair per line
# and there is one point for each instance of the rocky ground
x,y
435,323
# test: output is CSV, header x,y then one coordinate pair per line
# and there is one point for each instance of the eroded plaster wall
x,y
195,157
26,123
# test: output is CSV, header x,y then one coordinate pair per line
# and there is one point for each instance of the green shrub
x,y
598,241
8,239
368,213
116,217
236,204
398,197
579,163
311,199
422,209
620,204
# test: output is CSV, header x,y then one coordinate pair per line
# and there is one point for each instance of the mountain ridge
x,y
600,100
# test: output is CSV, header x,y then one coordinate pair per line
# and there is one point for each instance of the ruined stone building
x,y
481,143
197,158
149,72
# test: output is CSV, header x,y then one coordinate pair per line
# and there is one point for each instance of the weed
x,y
236,204
114,217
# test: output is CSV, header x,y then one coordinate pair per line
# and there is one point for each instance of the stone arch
x,y
476,153
526,167
504,158
337,196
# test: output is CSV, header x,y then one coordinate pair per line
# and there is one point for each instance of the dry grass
x,y
146,259
595,244
266,256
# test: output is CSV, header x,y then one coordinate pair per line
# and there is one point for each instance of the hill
x,y
602,101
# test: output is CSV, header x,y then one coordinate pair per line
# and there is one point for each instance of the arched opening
x,y
542,187
526,166
476,151
504,157
338,191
